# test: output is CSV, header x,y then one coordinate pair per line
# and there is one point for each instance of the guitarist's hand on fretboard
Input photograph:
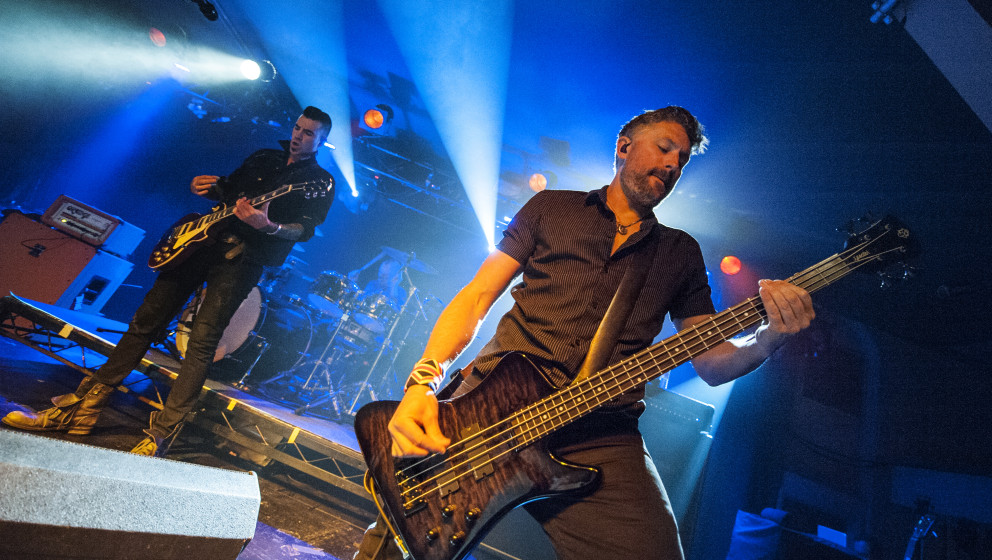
x,y
257,218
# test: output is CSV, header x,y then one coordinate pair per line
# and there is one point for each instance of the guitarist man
x,y
230,266
573,249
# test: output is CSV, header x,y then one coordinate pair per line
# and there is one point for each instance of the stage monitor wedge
x,y
67,500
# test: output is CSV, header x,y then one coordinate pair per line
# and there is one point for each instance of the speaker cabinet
x,y
43,264
38,262
67,500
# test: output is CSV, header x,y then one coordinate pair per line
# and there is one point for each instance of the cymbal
x,y
409,260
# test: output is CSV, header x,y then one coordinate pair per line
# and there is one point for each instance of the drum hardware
x,y
408,260
332,294
286,282
241,383
362,322
261,338
373,310
383,381
377,309
323,365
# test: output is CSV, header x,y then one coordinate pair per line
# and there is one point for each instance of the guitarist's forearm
x,y
289,232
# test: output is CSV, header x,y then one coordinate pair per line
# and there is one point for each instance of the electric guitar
x,y
439,507
194,230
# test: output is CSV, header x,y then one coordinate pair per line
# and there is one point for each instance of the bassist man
x,y
573,249
230,265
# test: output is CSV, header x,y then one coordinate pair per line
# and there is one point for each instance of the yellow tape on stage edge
x,y
232,404
292,436
66,330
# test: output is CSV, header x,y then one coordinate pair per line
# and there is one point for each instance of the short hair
x,y
673,113
316,114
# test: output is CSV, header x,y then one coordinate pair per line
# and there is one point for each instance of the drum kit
x,y
327,351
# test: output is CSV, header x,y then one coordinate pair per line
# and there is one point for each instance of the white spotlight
x,y
250,69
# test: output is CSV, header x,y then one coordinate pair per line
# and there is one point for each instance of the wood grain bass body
x,y
447,510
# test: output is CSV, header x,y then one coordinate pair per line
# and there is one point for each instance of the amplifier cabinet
x,y
43,264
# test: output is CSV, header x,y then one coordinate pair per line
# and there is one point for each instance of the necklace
x,y
622,229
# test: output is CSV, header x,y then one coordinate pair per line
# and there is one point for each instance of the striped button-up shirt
x,y
563,240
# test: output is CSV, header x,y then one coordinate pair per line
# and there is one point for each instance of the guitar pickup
x,y
448,484
481,463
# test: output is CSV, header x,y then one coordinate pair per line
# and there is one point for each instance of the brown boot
x,y
71,414
154,445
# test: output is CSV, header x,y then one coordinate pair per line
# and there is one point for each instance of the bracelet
x,y
426,372
275,231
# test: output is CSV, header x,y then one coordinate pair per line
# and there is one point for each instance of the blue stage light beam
x,y
100,161
311,36
458,54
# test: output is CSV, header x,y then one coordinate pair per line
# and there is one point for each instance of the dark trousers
x,y
228,283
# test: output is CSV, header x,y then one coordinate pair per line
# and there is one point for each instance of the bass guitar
x,y
439,507
194,230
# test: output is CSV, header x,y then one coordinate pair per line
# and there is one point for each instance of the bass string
x,y
555,420
811,279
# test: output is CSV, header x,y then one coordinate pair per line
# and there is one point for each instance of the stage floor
x,y
300,517
313,504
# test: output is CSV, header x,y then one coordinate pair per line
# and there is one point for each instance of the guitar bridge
x,y
410,487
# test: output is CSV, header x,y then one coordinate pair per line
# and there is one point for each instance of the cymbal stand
x,y
323,364
385,344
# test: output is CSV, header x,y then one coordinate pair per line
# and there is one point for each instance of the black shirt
x,y
262,172
563,240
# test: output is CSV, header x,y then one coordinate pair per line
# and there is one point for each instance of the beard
x,y
638,190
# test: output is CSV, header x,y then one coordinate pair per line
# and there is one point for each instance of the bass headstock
x,y
881,247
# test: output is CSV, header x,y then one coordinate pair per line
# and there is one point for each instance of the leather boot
x,y
71,414
153,445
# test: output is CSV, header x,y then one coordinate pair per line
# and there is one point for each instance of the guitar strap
x,y
605,339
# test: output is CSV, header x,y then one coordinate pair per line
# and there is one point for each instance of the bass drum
x,y
265,336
